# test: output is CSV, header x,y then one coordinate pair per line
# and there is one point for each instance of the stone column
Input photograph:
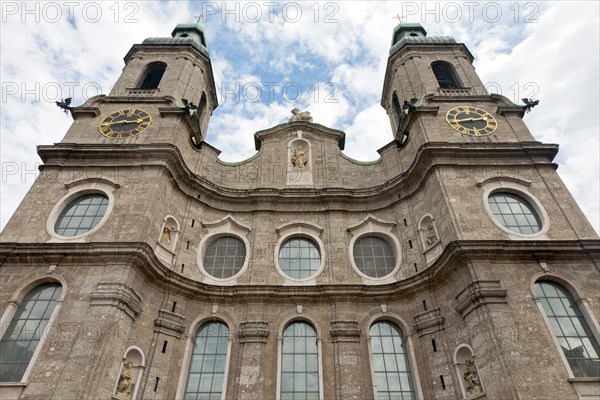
x,y
253,337
345,336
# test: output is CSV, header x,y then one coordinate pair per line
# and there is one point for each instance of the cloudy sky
x,y
328,57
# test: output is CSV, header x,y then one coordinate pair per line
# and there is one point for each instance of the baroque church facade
x,y
456,266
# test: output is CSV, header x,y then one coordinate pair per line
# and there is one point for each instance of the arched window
x,y
206,371
152,75
570,328
202,106
26,329
445,75
299,362
397,108
391,368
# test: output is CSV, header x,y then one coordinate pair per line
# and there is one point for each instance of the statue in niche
x,y
299,159
431,235
125,385
472,378
165,237
298,115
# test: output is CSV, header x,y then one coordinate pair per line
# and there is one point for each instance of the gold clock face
x,y
471,121
125,123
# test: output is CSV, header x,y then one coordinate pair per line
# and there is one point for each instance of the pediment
x,y
299,128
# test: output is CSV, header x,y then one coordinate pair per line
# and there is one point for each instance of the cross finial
x,y
399,17
199,18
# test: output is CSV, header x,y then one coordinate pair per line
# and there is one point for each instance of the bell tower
x,y
165,89
432,78
158,67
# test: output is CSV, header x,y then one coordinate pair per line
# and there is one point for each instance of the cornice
x,y
380,195
141,257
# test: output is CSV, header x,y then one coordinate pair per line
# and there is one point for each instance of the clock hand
x,y
470,119
135,121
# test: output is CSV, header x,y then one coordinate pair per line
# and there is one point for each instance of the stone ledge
x,y
11,390
141,257
479,396
586,388
479,293
430,155
428,322
169,323
117,295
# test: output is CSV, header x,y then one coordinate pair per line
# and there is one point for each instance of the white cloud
x,y
558,56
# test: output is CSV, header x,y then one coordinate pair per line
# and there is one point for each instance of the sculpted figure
x,y
300,115
125,385
472,379
299,159
431,236
165,237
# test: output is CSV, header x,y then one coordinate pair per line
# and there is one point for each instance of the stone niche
x,y
130,375
167,240
299,170
430,239
467,372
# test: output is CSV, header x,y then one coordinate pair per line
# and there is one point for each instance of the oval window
x,y
81,215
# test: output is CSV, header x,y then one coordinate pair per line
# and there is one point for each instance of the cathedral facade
x,y
456,266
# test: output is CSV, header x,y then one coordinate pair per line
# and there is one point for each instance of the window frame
x,y
71,204
584,308
13,306
450,72
212,239
75,190
407,331
226,226
307,239
371,226
380,236
195,327
299,229
517,197
311,322
147,68
519,188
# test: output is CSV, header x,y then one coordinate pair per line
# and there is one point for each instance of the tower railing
x,y
136,92
466,91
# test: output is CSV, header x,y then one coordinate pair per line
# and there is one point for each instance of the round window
x,y
299,258
81,215
514,213
224,257
374,256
